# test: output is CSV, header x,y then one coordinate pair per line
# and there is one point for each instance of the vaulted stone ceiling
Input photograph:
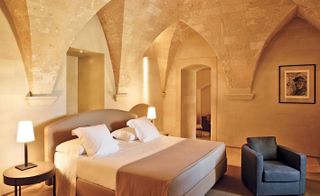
x,y
239,30
143,22
310,11
236,30
19,21
53,26
111,18
161,46
166,46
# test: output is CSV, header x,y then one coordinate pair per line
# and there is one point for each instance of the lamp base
x,y
25,167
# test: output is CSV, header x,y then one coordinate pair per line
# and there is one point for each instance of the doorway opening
x,y
203,103
196,99
85,81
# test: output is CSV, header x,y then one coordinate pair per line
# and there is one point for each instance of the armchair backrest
x,y
267,146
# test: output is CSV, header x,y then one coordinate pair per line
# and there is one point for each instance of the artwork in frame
x,y
297,83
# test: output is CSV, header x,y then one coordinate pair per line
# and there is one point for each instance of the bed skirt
x,y
84,187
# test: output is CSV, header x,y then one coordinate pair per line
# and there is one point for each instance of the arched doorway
x,y
196,80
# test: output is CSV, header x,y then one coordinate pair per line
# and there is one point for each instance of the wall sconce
x,y
151,114
25,134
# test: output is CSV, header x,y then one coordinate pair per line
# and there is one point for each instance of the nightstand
x,y
44,171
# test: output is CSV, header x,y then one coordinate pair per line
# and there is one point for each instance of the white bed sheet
x,y
102,171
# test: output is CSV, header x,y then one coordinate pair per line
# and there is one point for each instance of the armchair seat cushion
x,y
275,171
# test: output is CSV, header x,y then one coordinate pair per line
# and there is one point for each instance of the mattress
x,y
102,171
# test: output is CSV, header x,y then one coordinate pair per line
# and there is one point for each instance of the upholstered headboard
x,y
60,130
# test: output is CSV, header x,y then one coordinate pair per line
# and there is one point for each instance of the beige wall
x,y
203,78
153,91
135,93
13,108
188,103
92,38
91,82
205,100
72,85
294,125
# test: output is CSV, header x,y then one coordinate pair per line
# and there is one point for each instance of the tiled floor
x,y
35,190
203,135
231,185
313,169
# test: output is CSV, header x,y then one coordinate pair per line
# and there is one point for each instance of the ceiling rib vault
x,y
237,31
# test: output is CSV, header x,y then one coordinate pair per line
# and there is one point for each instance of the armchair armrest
x,y
291,158
251,167
295,160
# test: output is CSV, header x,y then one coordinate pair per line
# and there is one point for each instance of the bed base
x,y
84,187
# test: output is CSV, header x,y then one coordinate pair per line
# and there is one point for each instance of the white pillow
x,y
145,130
71,147
125,134
96,140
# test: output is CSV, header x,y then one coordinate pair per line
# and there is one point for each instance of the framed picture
x,y
297,84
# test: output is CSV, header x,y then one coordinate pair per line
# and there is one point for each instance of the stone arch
x,y
17,16
178,32
181,59
194,66
290,15
309,11
141,25
48,52
98,43
201,33
304,10
111,18
205,86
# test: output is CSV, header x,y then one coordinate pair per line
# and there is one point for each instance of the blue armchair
x,y
271,169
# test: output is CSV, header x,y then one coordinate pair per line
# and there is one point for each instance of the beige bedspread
x,y
156,174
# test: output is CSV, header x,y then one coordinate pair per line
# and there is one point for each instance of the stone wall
x,y
294,125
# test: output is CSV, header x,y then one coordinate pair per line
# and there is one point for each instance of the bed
x,y
165,166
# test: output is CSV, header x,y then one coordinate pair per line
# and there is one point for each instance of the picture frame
x,y
297,84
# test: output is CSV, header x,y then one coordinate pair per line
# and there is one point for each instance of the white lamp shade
x,y
151,113
25,132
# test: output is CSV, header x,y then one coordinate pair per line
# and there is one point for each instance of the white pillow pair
x,y
96,140
144,129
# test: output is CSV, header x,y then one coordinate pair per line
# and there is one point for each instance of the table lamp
x,y
25,134
151,113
